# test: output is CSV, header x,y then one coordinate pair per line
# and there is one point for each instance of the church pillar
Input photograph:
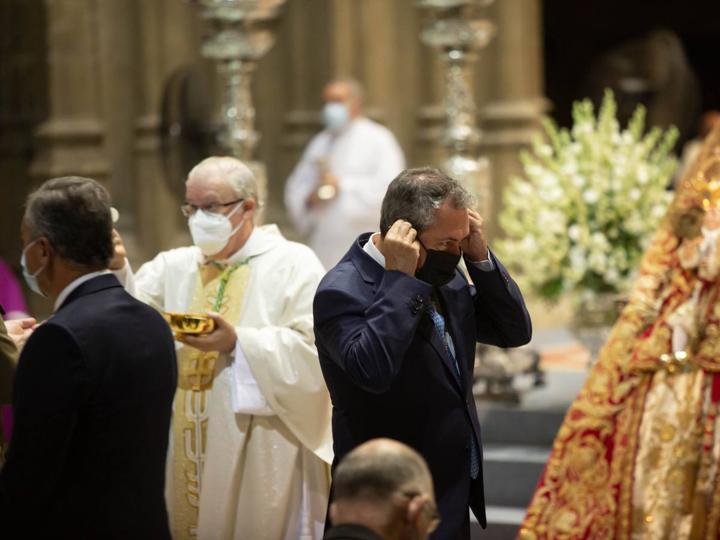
x,y
169,39
511,89
70,140
118,82
23,106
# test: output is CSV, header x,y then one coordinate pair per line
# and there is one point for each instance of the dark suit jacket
x,y
92,402
389,374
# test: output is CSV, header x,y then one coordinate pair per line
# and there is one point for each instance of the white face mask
x,y
335,115
31,279
211,232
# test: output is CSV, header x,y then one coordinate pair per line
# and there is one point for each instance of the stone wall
x,y
82,85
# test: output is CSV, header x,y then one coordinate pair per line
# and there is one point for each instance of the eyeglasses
x,y
216,208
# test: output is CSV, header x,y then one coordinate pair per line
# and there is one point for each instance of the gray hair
x,y
73,213
378,469
356,89
232,170
415,194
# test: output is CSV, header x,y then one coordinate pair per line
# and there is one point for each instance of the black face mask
x,y
439,267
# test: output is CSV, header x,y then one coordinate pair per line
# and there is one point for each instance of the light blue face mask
x,y
335,115
31,279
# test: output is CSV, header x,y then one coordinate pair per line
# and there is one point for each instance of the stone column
x,y
511,88
71,140
169,39
305,44
430,113
23,105
118,81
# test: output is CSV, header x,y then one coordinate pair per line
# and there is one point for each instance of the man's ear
x,y
250,207
46,248
249,204
415,509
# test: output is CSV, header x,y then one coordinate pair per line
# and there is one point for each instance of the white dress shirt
x,y
74,284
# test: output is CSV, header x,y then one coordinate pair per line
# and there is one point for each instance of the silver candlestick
x,y
239,34
457,34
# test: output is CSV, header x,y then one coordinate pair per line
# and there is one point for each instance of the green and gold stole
x,y
220,289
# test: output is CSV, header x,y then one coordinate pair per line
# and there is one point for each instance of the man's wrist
x,y
474,258
486,265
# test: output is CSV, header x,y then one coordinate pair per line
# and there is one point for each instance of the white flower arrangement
x,y
592,197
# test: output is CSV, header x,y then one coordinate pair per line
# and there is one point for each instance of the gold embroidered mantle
x,y
637,454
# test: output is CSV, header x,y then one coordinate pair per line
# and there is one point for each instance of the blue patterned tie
x,y
439,323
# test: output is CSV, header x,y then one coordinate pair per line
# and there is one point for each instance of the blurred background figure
x,y
11,295
334,193
382,490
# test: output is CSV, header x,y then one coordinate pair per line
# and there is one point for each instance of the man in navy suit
x,y
94,385
396,323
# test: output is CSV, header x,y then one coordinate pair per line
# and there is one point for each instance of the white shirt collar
x,y
74,285
371,249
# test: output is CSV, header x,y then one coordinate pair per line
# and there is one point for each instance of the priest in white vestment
x,y
335,191
251,425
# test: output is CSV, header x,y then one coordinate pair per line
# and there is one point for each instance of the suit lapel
x,y
372,273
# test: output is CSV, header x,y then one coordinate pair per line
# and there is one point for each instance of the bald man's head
x,y
386,486
377,469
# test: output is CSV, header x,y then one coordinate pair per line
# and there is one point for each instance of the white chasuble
x,y
251,446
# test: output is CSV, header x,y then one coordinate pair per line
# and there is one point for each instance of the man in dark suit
x,y
94,385
396,323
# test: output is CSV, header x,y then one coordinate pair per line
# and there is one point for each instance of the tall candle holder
x,y
239,34
457,33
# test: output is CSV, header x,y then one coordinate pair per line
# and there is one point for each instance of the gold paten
x,y
189,323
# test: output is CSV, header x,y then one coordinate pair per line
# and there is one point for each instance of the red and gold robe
x,y
638,452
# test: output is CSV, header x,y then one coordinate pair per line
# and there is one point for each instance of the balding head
x,y
226,170
386,486
225,186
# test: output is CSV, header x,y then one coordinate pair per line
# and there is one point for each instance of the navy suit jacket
x,y
92,402
389,373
